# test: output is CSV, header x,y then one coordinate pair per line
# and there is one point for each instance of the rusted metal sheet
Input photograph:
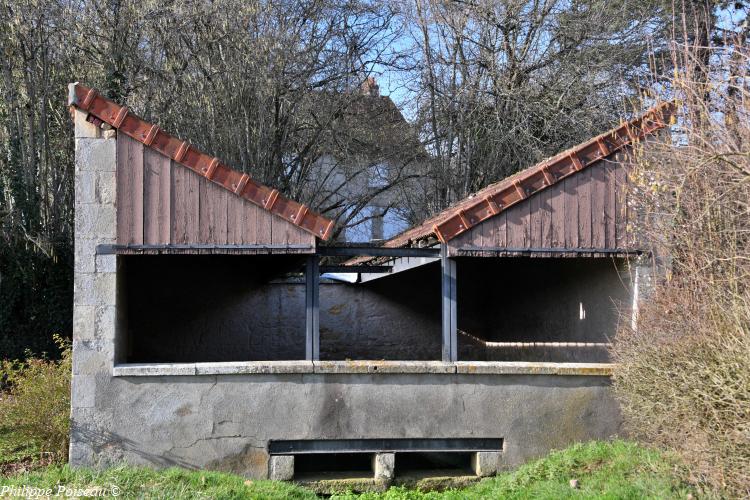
x,y
208,167
498,197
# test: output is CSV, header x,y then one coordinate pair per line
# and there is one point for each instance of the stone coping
x,y
362,367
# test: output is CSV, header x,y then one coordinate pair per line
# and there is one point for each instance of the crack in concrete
x,y
209,438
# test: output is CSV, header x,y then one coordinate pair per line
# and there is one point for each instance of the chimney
x,y
370,87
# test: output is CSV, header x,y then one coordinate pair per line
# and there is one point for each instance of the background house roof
x,y
368,127
119,117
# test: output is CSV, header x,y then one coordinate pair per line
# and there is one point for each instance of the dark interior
x,y
189,308
539,300
446,463
203,308
332,463
193,308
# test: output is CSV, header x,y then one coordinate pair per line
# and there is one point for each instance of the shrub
x,y
684,372
36,405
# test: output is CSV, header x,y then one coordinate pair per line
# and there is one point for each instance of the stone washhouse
x,y
205,337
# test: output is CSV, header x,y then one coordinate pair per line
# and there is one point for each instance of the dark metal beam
x,y
311,446
355,269
114,249
312,309
468,250
450,306
363,251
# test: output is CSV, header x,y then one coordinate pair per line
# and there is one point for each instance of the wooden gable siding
x,y
585,210
160,202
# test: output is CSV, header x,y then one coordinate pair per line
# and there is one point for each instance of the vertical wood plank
x,y
280,235
500,230
185,205
213,212
621,203
235,220
598,196
249,216
557,214
156,197
295,235
129,190
535,221
220,202
193,214
570,190
151,197
545,211
205,211
610,205
517,225
584,207
264,227
525,207
476,236
123,179
165,197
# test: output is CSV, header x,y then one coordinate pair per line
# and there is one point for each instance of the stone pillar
x,y
384,465
94,281
485,463
642,285
281,467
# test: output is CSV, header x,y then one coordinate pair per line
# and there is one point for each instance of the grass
x,y
616,469
15,451
607,470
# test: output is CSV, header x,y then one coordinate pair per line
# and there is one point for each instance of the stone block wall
x,y
95,278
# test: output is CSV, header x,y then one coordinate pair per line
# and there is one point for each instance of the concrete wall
x,y
225,422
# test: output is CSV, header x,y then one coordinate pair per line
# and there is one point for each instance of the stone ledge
x,y
153,369
362,367
532,368
383,367
250,367
218,368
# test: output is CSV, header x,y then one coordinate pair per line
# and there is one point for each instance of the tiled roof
x,y
119,117
497,197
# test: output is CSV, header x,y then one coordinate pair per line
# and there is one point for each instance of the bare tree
x,y
272,88
503,84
